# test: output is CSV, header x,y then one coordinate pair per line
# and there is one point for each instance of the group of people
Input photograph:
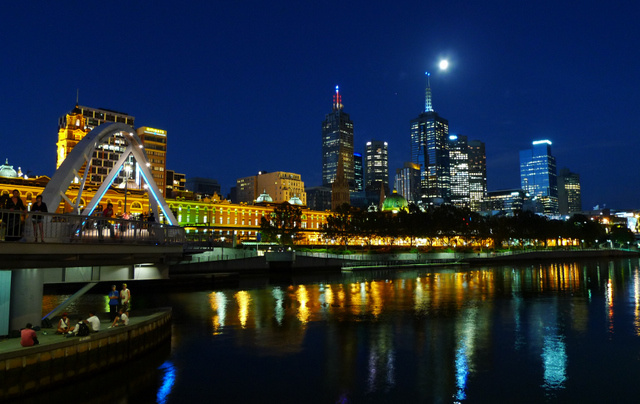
x,y
119,305
12,216
82,328
118,310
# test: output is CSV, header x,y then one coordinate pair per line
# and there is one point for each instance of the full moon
x,y
444,64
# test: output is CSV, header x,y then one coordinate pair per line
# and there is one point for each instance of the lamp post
x,y
127,170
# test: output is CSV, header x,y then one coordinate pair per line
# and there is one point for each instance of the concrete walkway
x,y
48,336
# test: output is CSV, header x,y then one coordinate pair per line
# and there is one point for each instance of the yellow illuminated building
x,y
155,147
75,125
279,185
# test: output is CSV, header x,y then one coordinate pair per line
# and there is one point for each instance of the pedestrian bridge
x,y
82,247
76,249
76,240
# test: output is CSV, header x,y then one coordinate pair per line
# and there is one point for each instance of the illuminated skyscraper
x,y
569,195
459,170
377,164
358,172
538,175
477,174
429,135
337,144
407,182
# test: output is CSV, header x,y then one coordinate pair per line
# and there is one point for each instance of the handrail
x,y
72,228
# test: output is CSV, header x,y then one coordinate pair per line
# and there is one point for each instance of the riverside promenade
x,y
58,360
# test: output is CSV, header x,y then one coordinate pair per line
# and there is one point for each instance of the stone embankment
x,y
58,360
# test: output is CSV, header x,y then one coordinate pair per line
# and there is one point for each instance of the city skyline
x,y
243,88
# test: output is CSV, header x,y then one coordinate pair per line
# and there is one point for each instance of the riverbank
x,y
549,255
57,360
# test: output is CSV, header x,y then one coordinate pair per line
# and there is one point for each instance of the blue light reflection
x,y
168,381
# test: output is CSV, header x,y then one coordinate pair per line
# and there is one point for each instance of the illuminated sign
x,y
155,131
542,142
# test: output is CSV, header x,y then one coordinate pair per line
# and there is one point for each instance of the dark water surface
x,y
552,332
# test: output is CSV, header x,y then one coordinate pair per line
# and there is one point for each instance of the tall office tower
x,y
279,185
459,170
358,172
155,147
337,144
477,174
538,175
407,182
76,124
429,135
377,164
569,196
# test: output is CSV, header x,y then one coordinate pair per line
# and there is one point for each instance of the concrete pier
x,y
58,360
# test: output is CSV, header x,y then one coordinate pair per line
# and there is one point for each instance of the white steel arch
x,y
56,189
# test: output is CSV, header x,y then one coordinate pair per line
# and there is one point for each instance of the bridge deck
x,y
52,255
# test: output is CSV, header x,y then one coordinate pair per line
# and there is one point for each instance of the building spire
x,y
427,95
337,100
77,96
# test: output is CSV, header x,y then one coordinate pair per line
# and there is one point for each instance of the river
x,y
546,332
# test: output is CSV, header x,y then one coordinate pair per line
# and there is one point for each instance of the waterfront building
x,y
203,186
477,174
376,163
73,126
280,185
569,195
155,147
337,144
407,182
459,170
429,135
538,175
358,172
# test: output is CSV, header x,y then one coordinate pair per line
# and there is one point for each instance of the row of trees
x,y
446,224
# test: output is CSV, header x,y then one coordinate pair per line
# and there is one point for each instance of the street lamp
x,y
127,170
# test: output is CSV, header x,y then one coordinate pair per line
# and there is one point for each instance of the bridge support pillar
x,y
5,301
26,297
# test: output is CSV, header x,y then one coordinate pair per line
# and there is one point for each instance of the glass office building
x,y
538,176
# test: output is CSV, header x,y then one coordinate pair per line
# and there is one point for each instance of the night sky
x,y
243,86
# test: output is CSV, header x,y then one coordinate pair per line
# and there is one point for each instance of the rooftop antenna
x,y
337,100
77,96
427,95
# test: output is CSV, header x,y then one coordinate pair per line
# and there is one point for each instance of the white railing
x,y
70,228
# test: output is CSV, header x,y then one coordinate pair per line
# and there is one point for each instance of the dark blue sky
x,y
243,86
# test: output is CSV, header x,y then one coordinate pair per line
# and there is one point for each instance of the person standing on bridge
x,y
107,214
36,219
14,219
114,298
125,298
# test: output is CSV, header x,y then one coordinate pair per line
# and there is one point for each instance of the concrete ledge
x,y
58,359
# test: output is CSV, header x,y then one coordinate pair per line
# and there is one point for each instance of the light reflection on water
x,y
441,335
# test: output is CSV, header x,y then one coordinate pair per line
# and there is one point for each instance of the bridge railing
x,y
70,228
